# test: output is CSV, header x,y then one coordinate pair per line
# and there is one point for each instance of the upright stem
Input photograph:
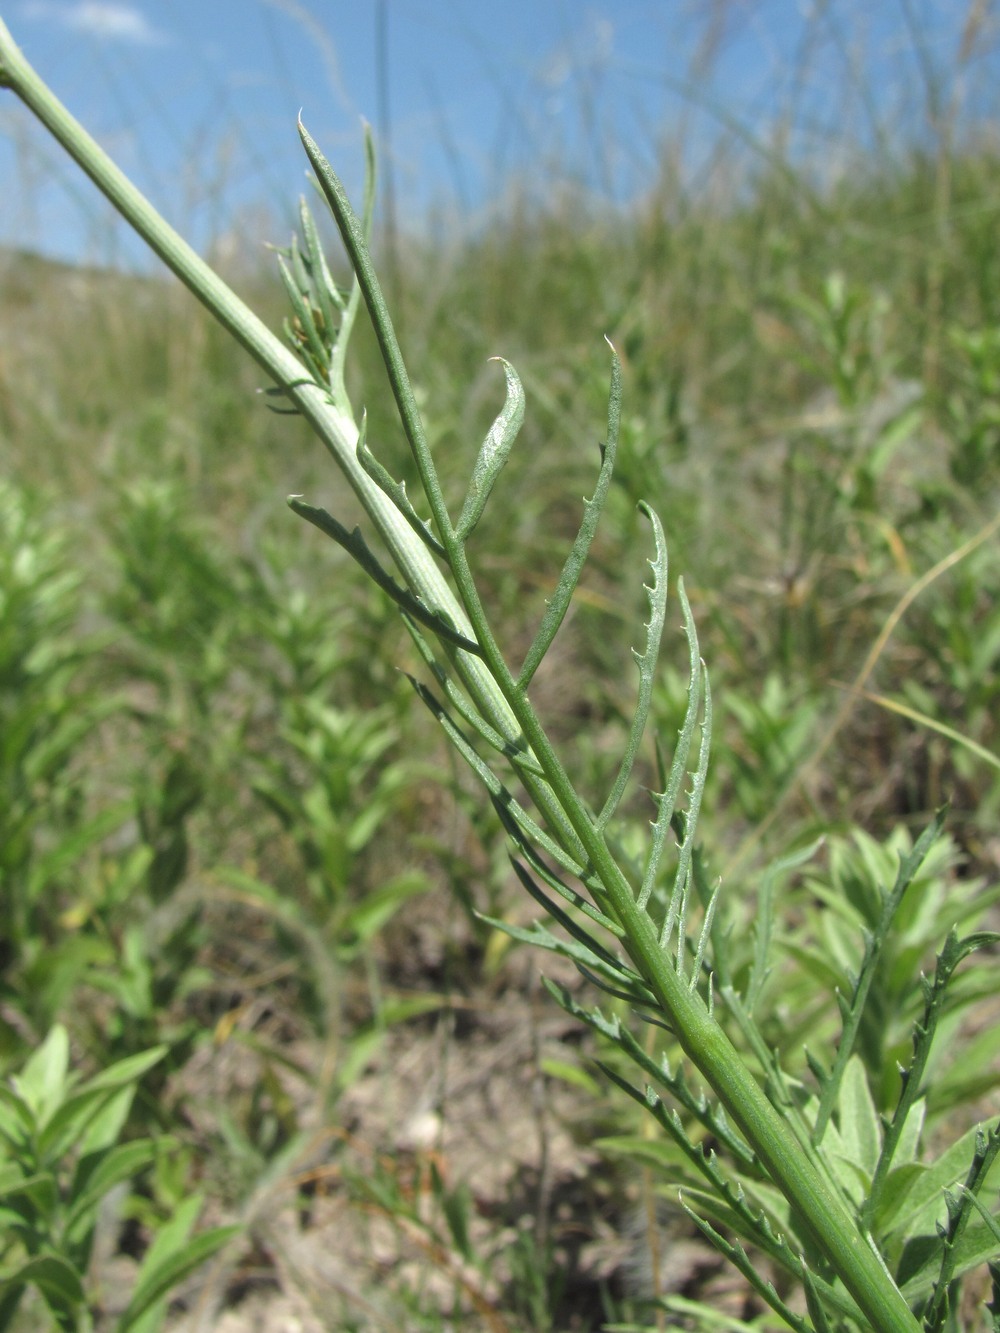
x,y
496,693
332,424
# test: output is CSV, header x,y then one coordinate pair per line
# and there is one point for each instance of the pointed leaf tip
x,y
494,452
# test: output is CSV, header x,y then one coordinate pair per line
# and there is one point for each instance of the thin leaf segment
x,y
658,980
665,975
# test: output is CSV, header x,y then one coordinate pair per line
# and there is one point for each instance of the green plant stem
x,y
497,694
332,423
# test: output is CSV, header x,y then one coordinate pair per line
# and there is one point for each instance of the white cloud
x,y
102,19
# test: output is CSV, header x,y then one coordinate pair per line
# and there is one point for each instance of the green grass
x,y
213,834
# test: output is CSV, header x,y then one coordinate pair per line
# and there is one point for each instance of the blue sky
x,y
197,99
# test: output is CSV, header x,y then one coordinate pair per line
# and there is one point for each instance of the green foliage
x,y
63,1153
769,1212
207,794
47,710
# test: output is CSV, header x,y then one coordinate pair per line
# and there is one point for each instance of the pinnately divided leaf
x,y
667,800
924,1030
646,661
851,1279
726,1199
596,964
572,569
707,1113
961,1207
742,1262
676,914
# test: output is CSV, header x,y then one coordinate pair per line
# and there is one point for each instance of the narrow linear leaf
x,y
562,918
521,758
395,490
494,786
284,391
707,1113
493,454
564,890
667,800
814,1304
299,270
646,661
932,724
339,358
356,546
352,233
304,335
738,1257
635,995
328,295
704,935
992,1223
572,569
597,969
676,914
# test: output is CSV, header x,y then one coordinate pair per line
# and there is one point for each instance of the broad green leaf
x,y
55,1277
909,1139
364,921
94,1180
972,1076
860,1131
571,1074
159,1280
43,1080
892,1206
456,1206
921,1261
129,1070
359,1053
170,1237
71,1121
401,1010
34,1200
102,1095
105,1128
852,1179
923,1205
17,1119
11,1175
15,1181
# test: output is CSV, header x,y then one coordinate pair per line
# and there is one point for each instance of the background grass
x,y
216,795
